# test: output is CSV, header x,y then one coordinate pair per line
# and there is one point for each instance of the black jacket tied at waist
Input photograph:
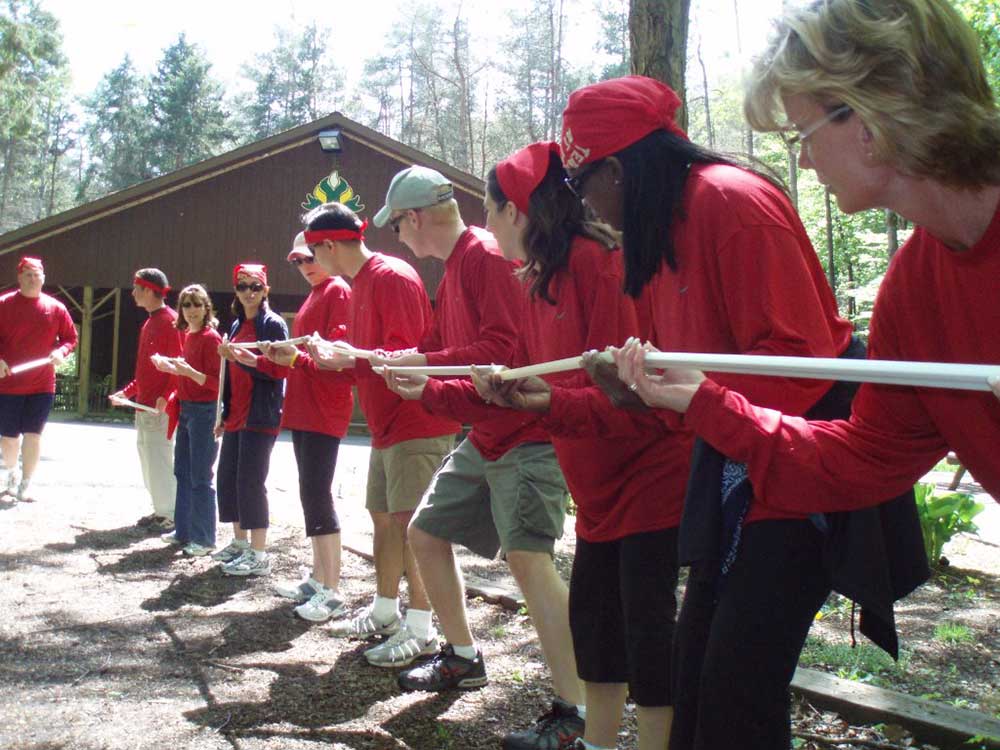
x,y
873,556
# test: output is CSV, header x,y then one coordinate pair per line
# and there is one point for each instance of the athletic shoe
x,y
445,670
402,648
248,564
146,520
231,551
193,549
323,605
301,591
161,523
556,730
22,495
364,625
172,538
8,481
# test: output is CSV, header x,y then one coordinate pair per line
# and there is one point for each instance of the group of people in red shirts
x,y
625,237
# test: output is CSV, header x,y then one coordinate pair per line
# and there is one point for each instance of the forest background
x,y
441,80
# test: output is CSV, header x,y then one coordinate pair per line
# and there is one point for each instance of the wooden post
x,y
114,340
86,336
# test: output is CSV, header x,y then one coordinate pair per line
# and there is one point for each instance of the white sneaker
x,y
364,625
299,591
193,549
231,551
402,648
323,605
22,491
172,538
248,564
8,479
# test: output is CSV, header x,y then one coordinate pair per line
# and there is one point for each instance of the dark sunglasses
x,y
577,182
254,287
191,303
299,261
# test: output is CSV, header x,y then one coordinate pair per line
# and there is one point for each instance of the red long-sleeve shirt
x,y
390,310
935,304
478,305
621,487
320,400
201,351
32,328
159,335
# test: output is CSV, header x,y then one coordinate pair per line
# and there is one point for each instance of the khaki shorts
x,y
516,503
398,475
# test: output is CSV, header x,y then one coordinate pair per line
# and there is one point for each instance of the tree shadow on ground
x,y
268,631
140,560
206,588
101,539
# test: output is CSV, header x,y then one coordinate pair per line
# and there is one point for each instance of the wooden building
x,y
197,223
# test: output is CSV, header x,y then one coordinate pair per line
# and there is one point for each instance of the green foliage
x,y
944,516
953,633
862,663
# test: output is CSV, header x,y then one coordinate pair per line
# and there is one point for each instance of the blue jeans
x,y
194,456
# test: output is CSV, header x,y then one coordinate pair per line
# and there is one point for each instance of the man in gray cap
x,y
413,189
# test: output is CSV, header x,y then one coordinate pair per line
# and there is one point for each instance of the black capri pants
x,y
735,650
244,461
316,458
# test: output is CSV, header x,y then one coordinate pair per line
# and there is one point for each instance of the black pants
x,y
735,650
316,458
244,460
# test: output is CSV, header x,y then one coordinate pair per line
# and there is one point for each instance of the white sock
x,y
419,622
582,710
466,652
260,554
385,609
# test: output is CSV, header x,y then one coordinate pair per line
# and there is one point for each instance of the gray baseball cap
x,y
414,187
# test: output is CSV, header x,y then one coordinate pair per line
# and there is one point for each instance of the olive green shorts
x,y
517,502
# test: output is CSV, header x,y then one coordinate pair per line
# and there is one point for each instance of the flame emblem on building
x,y
333,188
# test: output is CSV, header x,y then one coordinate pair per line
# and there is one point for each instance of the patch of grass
x,y
498,631
863,663
953,633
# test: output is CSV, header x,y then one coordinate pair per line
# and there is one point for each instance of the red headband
x,y
253,270
314,237
161,290
28,262
603,118
523,171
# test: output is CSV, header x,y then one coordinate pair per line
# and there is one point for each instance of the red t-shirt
x,y
31,328
320,400
390,310
748,282
201,351
478,305
159,335
935,305
620,487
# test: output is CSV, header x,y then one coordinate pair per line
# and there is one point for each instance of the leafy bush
x,y
941,517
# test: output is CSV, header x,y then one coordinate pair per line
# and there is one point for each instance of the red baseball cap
x,y
603,118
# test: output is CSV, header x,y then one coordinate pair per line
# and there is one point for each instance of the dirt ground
x,y
111,640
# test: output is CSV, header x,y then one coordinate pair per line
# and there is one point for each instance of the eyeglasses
x,y
254,287
395,222
300,260
798,140
191,303
577,182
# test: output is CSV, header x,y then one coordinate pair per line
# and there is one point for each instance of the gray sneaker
x,y
402,648
248,564
323,605
172,538
193,549
298,591
364,625
231,551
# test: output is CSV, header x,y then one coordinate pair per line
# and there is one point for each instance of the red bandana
x,y
523,171
318,235
253,270
603,118
35,264
161,290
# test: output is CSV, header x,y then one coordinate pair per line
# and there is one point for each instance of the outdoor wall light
x,y
329,140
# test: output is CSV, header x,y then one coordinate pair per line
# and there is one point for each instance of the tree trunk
x,y
793,178
892,230
708,108
658,40
831,263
